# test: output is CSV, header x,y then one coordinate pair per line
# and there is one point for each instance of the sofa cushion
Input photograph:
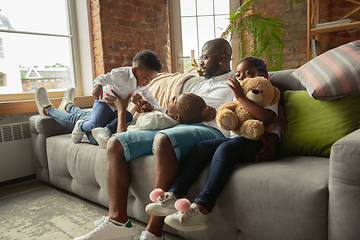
x,y
334,74
312,126
282,199
79,168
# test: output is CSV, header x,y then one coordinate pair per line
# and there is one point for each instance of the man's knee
x,y
161,140
114,147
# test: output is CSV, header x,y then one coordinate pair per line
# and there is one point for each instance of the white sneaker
x,y
145,235
42,100
68,97
77,134
106,230
101,135
192,220
163,206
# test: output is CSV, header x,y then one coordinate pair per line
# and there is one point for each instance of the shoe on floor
x,y
107,230
163,206
101,135
42,100
77,134
145,235
68,97
192,220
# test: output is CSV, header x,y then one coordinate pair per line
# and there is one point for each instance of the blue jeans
x,y
223,153
103,116
70,117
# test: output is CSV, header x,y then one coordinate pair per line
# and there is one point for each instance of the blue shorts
x,y
183,137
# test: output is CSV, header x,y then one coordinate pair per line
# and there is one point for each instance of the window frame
x,y
176,36
80,24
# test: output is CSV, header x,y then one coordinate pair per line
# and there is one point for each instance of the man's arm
x,y
121,105
268,151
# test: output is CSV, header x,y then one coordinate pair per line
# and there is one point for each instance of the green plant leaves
x,y
259,36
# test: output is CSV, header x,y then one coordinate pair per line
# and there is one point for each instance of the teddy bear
x,y
233,117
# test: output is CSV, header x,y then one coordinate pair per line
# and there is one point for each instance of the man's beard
x,y
211,72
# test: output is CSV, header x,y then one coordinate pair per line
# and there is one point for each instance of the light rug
x,y
46,212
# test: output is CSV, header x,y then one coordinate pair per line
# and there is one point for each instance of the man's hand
x,y
268,151
97,92
116,101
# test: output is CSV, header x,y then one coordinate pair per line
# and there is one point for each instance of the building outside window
x,y
2,80
34,34
41,34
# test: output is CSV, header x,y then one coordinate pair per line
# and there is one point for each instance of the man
x,y
169,146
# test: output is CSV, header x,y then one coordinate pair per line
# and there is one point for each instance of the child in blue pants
x,y
125,81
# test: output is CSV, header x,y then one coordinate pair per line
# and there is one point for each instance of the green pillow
x,y
313,126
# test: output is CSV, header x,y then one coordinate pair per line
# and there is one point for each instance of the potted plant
x,y
259,36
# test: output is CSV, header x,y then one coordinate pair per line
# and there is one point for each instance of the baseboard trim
x,y
17,180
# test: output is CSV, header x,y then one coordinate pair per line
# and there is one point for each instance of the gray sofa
x,y
296,197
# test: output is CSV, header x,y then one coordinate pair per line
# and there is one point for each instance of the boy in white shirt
x,y
124,81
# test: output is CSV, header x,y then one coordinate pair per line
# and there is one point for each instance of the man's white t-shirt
x,y
215,92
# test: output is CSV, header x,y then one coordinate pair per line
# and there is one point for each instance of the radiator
x,y
16,154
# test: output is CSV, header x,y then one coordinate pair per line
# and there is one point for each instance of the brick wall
x,y
123,28
295,20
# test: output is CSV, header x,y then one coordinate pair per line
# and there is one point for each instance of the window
x,y
41,38
36,34
193,23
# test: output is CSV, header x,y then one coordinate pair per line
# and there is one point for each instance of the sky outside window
x,y
201,21
23,50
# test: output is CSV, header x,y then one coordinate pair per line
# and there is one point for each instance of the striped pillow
x,y
332,75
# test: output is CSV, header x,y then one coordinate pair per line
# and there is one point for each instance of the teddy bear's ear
x,y
243,82
277,96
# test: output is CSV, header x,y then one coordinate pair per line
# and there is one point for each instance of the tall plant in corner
x,y
259,36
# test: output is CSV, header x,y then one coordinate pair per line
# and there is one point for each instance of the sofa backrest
x,y
284,81
191,83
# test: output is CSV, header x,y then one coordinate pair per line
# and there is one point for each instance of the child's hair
x,y
147,60
193,109
258,63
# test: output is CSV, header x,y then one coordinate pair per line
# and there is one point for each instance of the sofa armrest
x,y
42,127
344,188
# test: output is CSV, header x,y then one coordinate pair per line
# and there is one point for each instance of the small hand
x,y
97,92
268,151
136,98
117,102
144,106
235,86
